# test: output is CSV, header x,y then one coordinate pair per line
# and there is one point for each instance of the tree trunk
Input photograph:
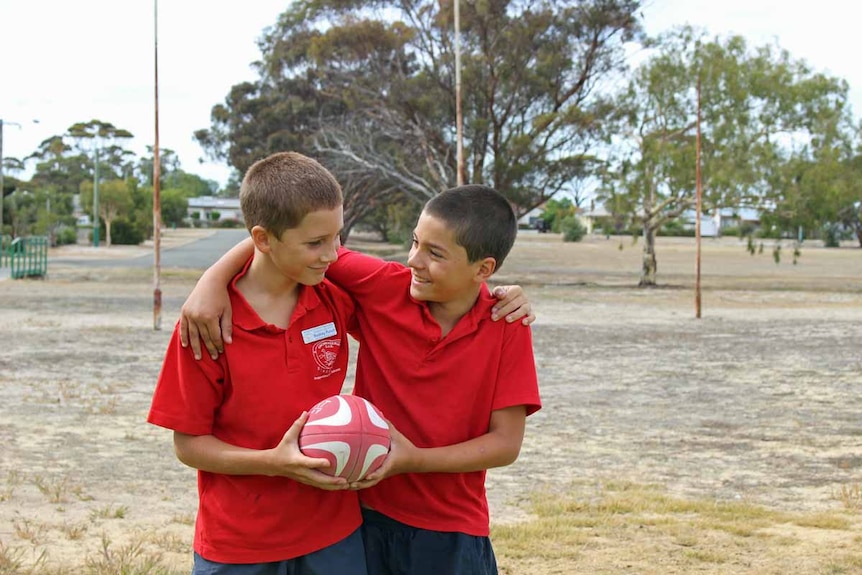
x,y
650,265
108,232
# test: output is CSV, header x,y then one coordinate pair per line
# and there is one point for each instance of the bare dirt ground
x,y
756,401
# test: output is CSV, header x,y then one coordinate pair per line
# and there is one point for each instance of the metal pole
x,y
96,196
459,120
697,209
157,174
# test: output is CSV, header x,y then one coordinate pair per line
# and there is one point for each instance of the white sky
x,y
68,61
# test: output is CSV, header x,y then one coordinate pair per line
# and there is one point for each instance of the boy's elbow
x,y
513,455
182,449
181,454
508,455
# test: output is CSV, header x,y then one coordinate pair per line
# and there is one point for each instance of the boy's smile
x,y
441,272
304,253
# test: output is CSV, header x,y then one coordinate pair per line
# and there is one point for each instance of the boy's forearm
x,y
208,453
231,263
497,448
485,452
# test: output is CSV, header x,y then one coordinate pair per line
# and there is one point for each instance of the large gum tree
x,y
370,87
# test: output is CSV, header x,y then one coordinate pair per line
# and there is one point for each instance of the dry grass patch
x,y
623,527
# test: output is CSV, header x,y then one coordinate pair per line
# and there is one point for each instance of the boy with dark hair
x,y
258,494
455,386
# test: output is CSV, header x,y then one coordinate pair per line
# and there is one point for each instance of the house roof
x,y
213,202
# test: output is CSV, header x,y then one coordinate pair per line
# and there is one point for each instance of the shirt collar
x,y
246,318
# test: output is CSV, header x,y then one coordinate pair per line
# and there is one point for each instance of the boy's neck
x,y
448,313
268,291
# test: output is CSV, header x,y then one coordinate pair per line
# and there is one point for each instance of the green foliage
x,y
774,135
400,219
66,165
174,207
744,229
393,221
831,234
66,236
675,228
555,211
572,228
371,93
125,232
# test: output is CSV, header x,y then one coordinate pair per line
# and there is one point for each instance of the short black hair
x,y
481,218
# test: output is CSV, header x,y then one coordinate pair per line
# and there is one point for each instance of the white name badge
x,y
319,332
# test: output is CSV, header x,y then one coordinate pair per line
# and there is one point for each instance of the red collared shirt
x,y
249,397
436,391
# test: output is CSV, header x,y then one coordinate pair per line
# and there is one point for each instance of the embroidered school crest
x,y
325,353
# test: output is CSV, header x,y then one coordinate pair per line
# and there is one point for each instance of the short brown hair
x,y
278,191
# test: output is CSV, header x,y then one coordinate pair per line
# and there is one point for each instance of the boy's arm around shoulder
x,y
206,313
356,272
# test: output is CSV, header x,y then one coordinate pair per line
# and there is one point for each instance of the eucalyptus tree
x,y
761,114
115,200
60,167
850,210
370,88
103,145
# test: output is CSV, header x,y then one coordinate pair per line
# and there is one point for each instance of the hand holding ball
x,y
349,432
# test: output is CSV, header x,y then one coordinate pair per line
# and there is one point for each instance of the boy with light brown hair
x,y
264,507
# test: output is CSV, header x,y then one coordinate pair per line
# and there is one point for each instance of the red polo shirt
x,y
437,392
249,397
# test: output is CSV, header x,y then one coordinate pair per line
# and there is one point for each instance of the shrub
x,y
572,228
124,232
672,228
66,236
831,234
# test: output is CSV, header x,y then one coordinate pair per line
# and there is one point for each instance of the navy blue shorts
x,y
346,557
393,548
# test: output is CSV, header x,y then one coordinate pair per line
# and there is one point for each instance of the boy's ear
x,y
261,238
487,267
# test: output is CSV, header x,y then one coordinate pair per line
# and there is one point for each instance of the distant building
x,y
722,219
595,216
205,208
736,218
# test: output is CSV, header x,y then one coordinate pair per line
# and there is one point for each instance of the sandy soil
x,y
757,400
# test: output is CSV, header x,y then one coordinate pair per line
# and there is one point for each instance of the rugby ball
x,y
349,432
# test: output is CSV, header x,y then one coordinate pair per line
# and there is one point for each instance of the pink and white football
x,y
348,431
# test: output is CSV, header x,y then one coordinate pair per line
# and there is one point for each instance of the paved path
x,y
196,254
